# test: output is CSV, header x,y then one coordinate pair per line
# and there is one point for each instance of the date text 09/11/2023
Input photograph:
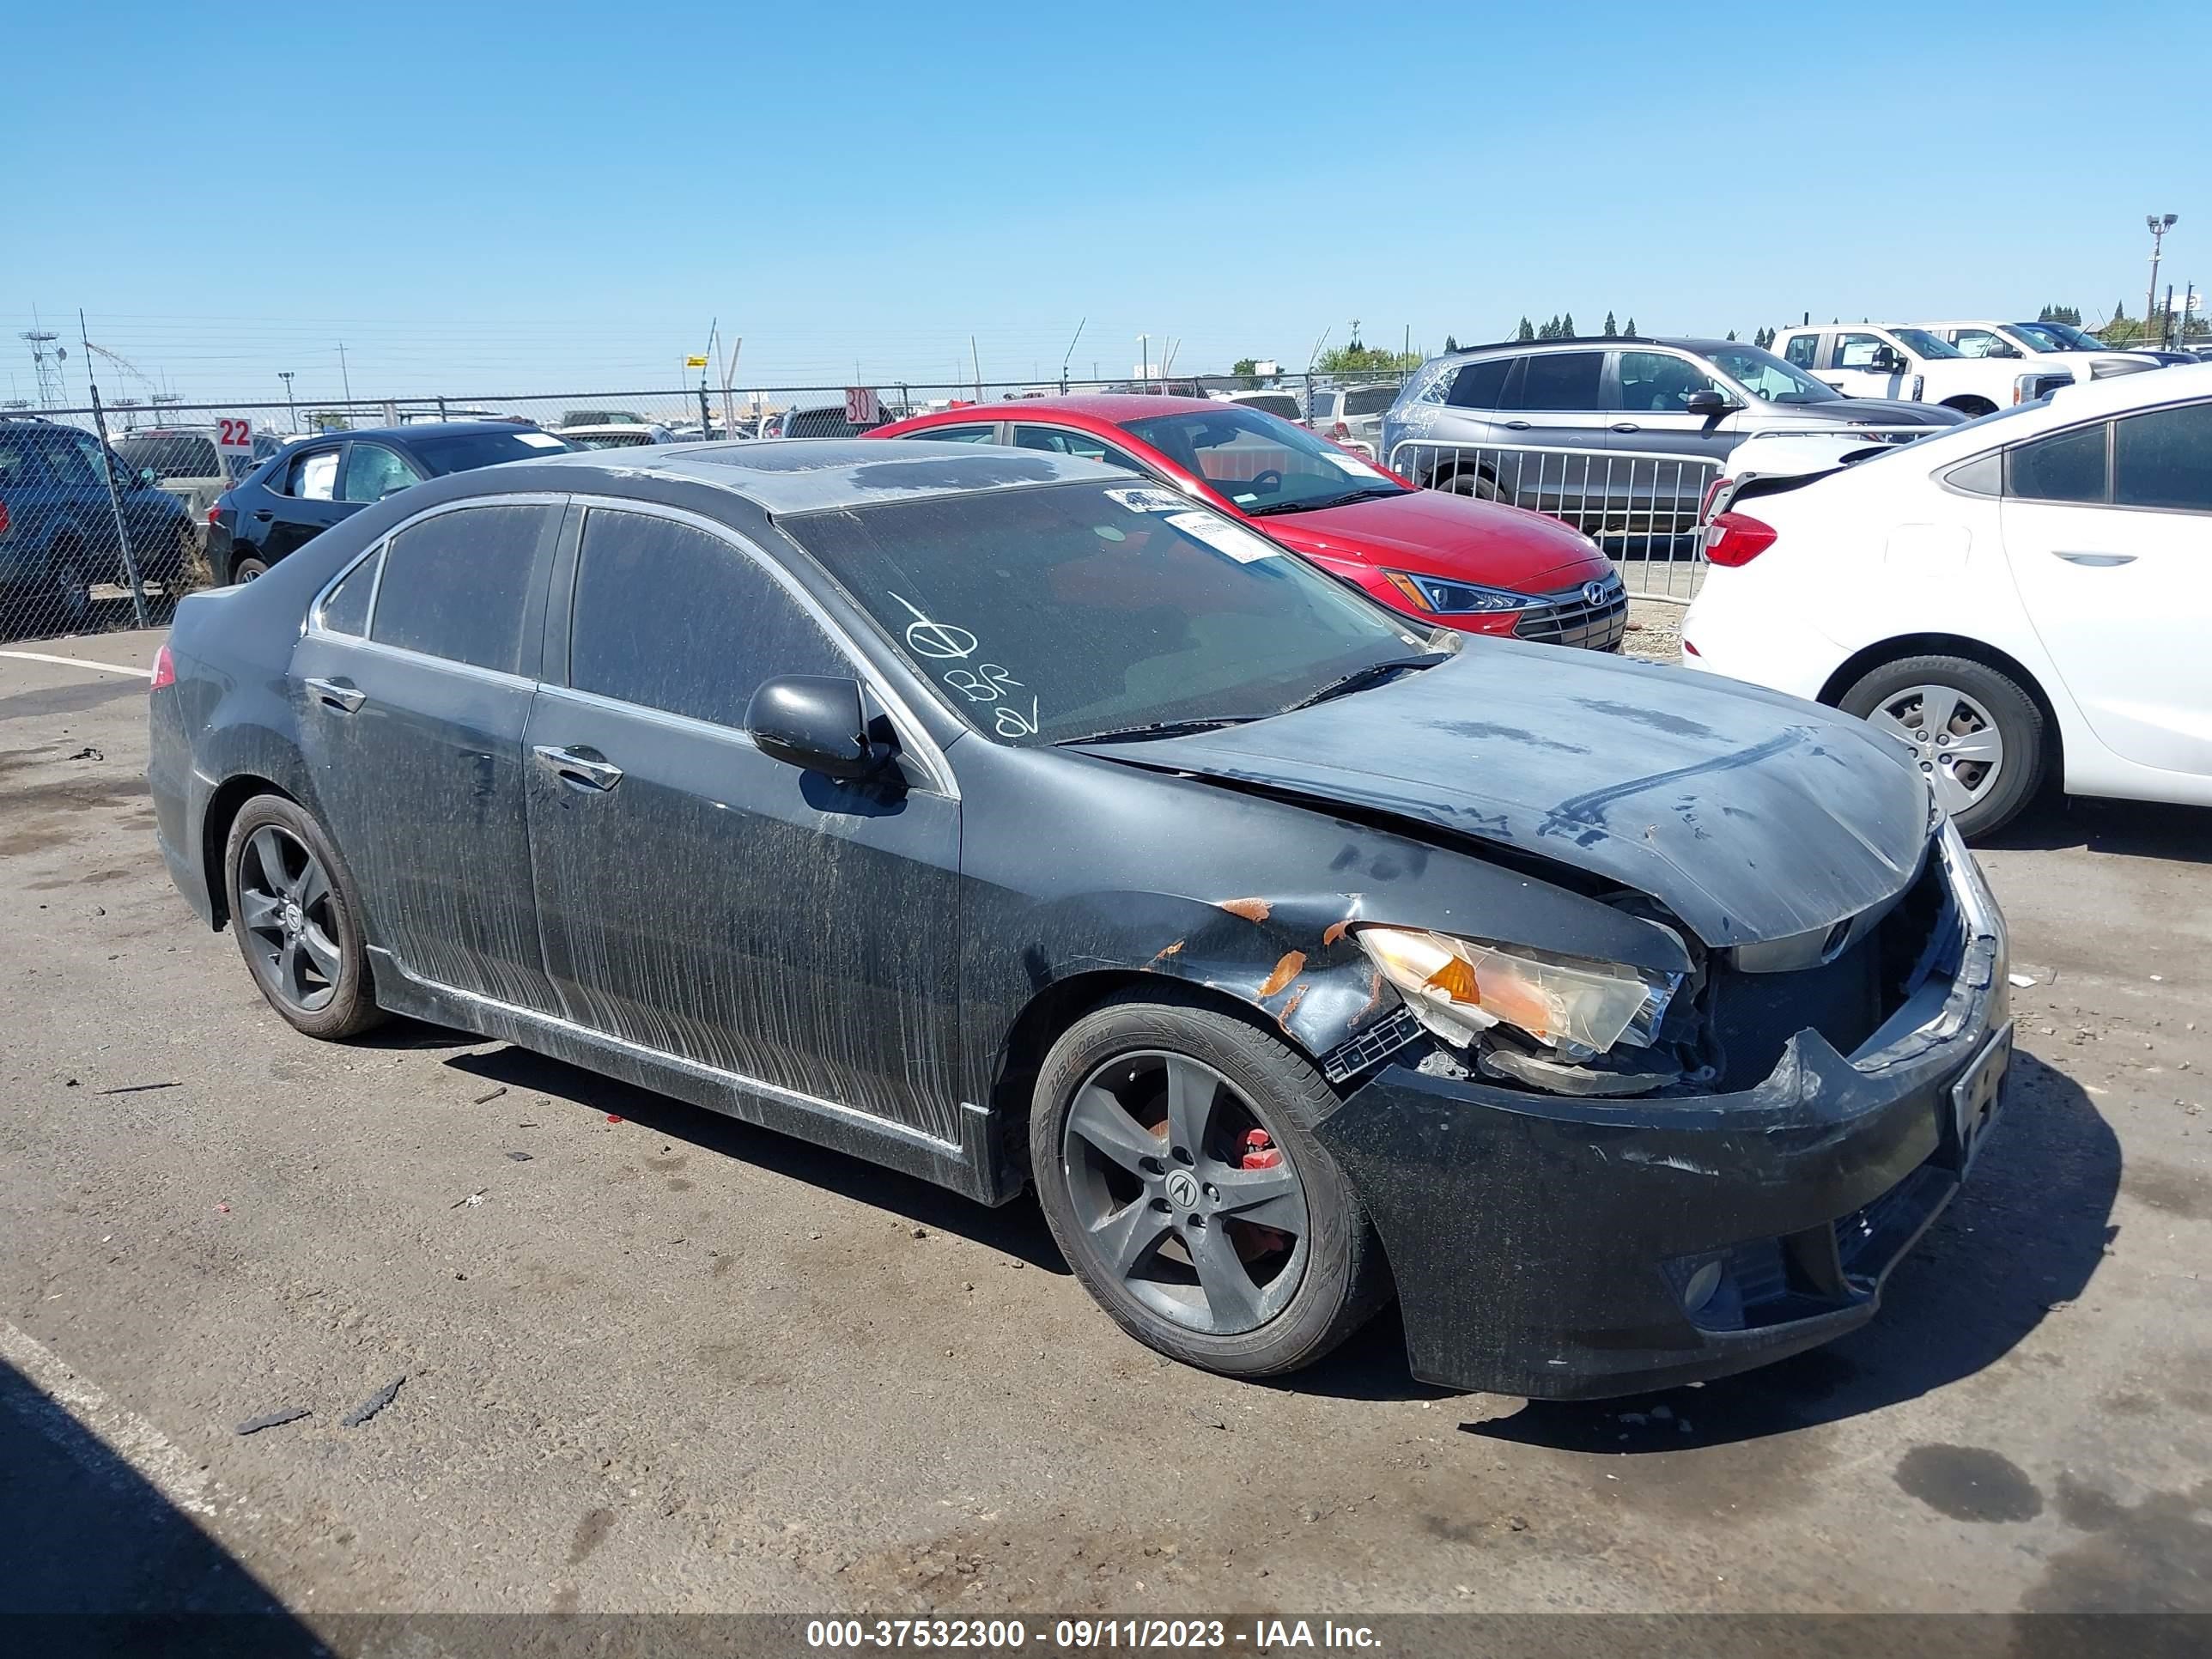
x,y
1258,1636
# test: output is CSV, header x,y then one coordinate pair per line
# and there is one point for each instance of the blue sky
x,y
555,198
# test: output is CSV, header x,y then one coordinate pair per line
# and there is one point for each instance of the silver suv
x,y
1617,436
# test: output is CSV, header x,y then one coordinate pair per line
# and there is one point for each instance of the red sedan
x,y
1475,565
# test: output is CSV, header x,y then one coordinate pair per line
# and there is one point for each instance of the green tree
x,y
1631,330
1356,359
1611,332
1764,339
1731,334
1248,367
1567,327
1525,331
2068,315
1451,344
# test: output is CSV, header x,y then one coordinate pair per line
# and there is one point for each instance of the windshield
x,y
2067,337
2038,336
1046,614
607,439
1261,464
171,455
1766,376
465,452
1921,343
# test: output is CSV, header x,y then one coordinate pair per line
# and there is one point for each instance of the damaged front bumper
x,y
1576,1249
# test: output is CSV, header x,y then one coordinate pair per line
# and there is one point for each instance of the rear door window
x,y
2163,458
1803,349
1562,381
371,473
2067,466
1065,441
955,435
346,611
459,585
735,627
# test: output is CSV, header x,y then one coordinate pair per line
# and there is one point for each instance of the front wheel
x,y
1172,1150
1470,481
72,589
298,921
1976,735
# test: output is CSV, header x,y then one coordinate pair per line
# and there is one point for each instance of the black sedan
x,y
987,815
308,487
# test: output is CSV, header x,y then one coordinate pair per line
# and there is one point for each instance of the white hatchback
x,y
2024,596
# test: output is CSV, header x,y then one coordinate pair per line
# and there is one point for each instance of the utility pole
x,y
291,409
2158,224
976,358
345,378
114,489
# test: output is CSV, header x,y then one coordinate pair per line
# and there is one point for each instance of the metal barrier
x,y
1640,506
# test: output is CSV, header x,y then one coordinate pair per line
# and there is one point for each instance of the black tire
x,y
69,574
1972,408
247,567
1469,481
1340,1275
1985,695
329,917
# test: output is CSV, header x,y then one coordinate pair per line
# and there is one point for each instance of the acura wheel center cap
x,y
294,921
1182,1190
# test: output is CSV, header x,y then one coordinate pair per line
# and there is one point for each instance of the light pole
x,y
2158,224
291,409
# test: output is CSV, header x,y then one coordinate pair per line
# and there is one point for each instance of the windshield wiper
x,y
1157,729
1374,674
1345,499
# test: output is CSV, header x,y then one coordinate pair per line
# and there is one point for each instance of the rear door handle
x,y
580,770
1516,426
2095,560
338,695
1627,426
262,515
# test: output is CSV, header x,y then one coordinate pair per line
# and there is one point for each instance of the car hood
x,y
1440,534
1751,815
1881,412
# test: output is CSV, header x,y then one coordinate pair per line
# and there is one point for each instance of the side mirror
x,y
1886,362
814,722
147,477
1708,402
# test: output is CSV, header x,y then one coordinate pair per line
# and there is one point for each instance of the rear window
x,y
171,455
1370,400
1562,380
2067,466
457,585
465,452
820,423
1280,403
1480,386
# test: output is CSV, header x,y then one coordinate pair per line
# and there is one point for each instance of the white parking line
x,y
157,1458
78,662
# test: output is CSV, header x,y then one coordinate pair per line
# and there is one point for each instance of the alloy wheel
x,y
1957,743
1183,1195
284,906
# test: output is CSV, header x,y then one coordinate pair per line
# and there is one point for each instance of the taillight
x,y
1339,432
3,518
164,668
214,511
1737,539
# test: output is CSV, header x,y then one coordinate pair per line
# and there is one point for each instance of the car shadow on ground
x,y
100,1562
2024,1237
2131,829
1017,1228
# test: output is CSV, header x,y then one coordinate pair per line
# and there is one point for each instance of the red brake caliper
x,y
1260,1152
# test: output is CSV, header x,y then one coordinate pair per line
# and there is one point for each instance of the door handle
x,y
1626,426
338,695
1516,426
262,515
2096,561
580,770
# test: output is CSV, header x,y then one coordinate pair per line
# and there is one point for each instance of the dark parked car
x,y
311,485
58,538
981,813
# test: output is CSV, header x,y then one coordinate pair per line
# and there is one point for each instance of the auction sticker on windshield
x,y
1147,500
1223,536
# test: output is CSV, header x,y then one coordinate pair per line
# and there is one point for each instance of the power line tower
x,y
46,357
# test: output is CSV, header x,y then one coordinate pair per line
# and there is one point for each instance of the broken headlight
x,y
1460,987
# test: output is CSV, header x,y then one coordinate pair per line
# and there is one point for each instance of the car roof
x,y
422,429
783,475
1680,342
1112,407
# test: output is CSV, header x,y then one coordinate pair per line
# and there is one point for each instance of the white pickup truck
x,y
2034,345
1886,360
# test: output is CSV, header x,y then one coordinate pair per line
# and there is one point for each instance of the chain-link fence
x,y
106,512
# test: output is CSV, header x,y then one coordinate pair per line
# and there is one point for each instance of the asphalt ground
x,y
650,1359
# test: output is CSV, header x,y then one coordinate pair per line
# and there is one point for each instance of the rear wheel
x,y
1470,480
297,919
251,567
72,586
1174,1159
1978,737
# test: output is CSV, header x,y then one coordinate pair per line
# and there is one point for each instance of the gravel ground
x,y
650,1359
1655,630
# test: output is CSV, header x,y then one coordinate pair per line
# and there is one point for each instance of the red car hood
x,y
1439,534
